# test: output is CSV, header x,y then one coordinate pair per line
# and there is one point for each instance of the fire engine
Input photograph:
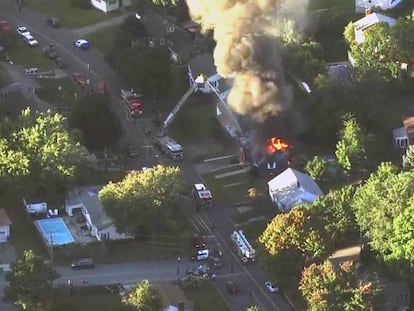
x,y
132,103
202,196
170,147
242,247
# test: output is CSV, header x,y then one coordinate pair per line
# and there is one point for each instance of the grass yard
x,y
103,301
59,92
102,39
206,298
26,56
24,234
70,17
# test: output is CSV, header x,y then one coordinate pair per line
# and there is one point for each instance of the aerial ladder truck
x,y
242,247
201,81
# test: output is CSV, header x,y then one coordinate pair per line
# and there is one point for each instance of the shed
x,y
292,188
5,224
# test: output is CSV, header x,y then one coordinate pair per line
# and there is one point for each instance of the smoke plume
x,y
245,52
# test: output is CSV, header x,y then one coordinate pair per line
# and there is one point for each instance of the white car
x,y
272,287
30,40
81,43
22,30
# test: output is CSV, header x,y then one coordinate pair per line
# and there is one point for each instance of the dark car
x,y
215,262
131,151
86,263
49,51
53,22
232,288
199,242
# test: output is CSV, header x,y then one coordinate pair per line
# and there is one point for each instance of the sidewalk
x,y
101,25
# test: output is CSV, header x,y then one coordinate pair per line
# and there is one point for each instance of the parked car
x,y
22,30
199,242
271,287
5,26
49,51
201,254
60,63
86,263
131,151
82,44
232,288
53,22
81,79
30,40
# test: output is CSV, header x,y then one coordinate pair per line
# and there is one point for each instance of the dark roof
x,y
409,127
4,218
203,64
179,40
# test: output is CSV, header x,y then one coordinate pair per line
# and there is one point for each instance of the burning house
x,y
248,55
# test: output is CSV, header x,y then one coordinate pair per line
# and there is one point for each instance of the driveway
x,y
249,277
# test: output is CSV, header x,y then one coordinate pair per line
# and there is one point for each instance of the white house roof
x,y
372,19
291,188
362,5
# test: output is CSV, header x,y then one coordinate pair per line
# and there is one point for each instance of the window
x,y
111,2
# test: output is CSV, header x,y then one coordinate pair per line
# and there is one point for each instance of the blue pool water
x,y
55,231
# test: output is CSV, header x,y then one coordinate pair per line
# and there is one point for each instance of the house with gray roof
x,y
84,201
362,5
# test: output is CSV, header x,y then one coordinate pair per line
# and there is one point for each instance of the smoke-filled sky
x,y
246,53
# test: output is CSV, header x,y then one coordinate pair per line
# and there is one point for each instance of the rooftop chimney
x,y
368,11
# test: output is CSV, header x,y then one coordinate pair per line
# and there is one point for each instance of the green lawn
x,y
24,234
70,17
59,92
103,301
102,39
206,298
22,54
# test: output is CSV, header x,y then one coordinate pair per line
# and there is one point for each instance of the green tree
x,y
402,40
30,283
144,297
408,158
92,114
13,163
376,52
298,229
336,212
316,167
145,202
350,150
381,206
253,308
165,3
329,288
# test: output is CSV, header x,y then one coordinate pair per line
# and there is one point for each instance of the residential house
x,y
84,201
292,188
362,5
5,224
404,136
36,207
363,24
110,5
162,32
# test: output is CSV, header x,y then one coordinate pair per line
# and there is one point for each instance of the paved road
x,y
249,277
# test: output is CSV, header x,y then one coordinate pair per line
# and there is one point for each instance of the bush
x,y
82,4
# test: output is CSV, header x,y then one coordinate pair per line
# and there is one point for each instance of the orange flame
x,y
277,144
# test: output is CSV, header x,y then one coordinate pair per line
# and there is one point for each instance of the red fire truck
x,y
132,103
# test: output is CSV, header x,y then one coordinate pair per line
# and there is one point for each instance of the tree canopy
x,y
30,283
329,288
144,297
408,158
145,202
92,114
382,206
316,167
38,149
350,149
296,230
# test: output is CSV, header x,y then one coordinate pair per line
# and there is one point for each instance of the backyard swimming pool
x,y
55,231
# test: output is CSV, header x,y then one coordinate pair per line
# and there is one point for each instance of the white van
x,y
201,254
